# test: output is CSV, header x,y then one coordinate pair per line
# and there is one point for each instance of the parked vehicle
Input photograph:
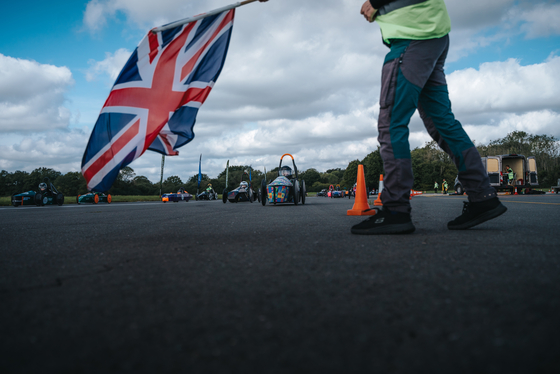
x,y
525,176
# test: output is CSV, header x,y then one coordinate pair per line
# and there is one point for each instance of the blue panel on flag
x,y
205,24
130,71
211,65
107,182
106,127
157,146
182,123
168,35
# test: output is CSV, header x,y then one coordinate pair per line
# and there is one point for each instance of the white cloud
x,y
61,150
506,87
32,95
543,122
110,66
95,15
540,20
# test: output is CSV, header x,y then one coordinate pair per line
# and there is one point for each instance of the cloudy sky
x,y
301,77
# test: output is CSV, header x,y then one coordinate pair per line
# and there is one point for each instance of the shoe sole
x,y
491,214
402,228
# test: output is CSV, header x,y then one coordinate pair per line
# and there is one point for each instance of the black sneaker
x,y
476,213
385,222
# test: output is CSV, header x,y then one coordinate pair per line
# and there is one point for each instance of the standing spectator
x,y
436,185
445,186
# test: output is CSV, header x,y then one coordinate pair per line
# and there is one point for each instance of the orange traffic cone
x,y
377,201
361,206
415,193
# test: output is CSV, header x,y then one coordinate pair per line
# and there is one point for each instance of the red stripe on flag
x,y
186,70
116,147
167,145
154,44
198,95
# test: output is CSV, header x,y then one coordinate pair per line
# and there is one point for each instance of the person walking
x,y
436,185
417,33
445,186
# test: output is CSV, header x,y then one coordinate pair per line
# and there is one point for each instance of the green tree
x,y
71,184
350,174
373,168
38,175
311,176
143,186
172,184
123,184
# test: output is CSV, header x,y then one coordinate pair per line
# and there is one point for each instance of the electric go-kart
x,y
338,192
94,198
208,194
322,193
286,188
47,195
242,193
180,195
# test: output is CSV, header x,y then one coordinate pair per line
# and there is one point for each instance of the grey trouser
x,y
413,78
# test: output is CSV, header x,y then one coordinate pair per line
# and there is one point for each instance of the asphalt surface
x,y
203,287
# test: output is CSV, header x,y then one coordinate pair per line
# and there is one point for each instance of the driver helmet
x,y
42,186
244,184
286,171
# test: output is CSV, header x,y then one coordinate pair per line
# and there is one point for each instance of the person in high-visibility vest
x,y
445,186
436,185
510,174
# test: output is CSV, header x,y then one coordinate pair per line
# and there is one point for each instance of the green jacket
x,y
510,173
412,19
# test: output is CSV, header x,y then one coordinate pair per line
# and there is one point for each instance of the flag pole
x,y
201,16
161,178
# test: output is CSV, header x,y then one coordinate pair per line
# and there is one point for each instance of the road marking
x,y
530,202
506,199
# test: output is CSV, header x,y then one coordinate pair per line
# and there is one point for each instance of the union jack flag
x,y
154,101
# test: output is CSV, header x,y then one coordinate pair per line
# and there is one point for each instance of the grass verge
x,y
7,200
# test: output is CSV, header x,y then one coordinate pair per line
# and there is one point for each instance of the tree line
x,y
429,164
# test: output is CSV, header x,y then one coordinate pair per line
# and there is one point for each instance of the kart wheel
x,y
224,196
59,199
38,199
78,199
109,198
14,203
459,190
303,192
296,192
258,195
96,198
251,196
263,193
